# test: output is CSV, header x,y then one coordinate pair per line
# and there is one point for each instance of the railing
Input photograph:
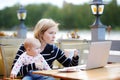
x,y
115,51
70,43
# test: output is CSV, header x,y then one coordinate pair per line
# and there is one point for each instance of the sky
x,y
9,3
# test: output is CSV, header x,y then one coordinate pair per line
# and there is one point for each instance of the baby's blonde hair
x,y
30,42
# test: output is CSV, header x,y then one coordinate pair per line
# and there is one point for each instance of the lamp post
x,y
97,28
22,30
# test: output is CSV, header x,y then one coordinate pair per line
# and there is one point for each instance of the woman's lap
x,y
40,78
31,76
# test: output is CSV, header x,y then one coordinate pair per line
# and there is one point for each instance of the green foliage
x,y
111,15
69,16
8,17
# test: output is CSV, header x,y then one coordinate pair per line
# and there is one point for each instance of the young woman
x,y
45,30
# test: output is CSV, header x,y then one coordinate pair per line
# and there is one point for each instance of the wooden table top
x,y
109,72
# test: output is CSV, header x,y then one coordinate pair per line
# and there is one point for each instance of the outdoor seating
x,y
8,53
8,50
115,52
114,56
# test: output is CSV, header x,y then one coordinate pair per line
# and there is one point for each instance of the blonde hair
x,y
42,26
30,42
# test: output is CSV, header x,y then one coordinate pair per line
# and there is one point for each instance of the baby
x,y
32,54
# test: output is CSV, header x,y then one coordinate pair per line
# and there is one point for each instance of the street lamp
x,y
97,29
21,14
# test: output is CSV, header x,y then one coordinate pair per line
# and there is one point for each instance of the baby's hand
x,y
76,52
13,76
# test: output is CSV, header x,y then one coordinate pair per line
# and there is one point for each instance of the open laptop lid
x,y
98,54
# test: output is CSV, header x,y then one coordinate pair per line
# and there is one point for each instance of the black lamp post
x,y
97,29
22,30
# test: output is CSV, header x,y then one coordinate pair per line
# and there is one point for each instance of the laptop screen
x,y
98,54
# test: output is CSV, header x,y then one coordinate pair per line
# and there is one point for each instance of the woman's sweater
x,y
50,53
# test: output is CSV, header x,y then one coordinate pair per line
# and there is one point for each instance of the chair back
x,y
8,49
8,53
115,51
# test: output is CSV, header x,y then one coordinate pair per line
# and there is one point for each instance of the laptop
x,y
97,56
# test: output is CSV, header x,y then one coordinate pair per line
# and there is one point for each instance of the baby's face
x,y
35,50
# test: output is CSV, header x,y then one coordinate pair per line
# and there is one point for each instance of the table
x,y
109,72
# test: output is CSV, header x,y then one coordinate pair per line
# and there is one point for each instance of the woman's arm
x,y
24,69
18,54
61,57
